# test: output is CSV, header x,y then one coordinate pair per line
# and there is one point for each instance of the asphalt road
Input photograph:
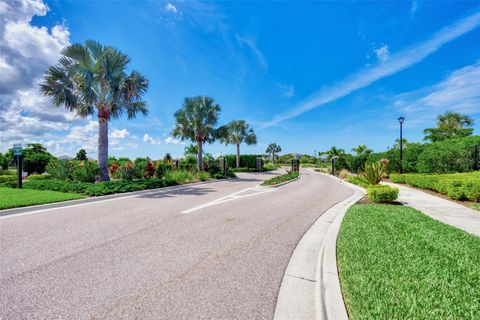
x,y
211,251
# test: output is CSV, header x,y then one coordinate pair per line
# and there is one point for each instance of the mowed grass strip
x,y
280,179
13,198
396,263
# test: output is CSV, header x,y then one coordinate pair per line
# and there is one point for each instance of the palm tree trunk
x,y
273,157
200,155
238,155
103,148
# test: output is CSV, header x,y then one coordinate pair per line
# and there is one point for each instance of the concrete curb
x,y
310,287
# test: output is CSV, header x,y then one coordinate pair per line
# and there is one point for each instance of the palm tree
x,y
91,79
236,132
396,145
272,149
450,125
333,152
191,149
361,150
196,121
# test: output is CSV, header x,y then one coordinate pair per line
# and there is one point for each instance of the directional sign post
x,y
18,153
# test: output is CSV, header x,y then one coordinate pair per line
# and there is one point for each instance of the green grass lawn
x,y
13,198
476,206
396,263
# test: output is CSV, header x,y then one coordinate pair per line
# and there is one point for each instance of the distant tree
x,y
191,149
237,132
333,152
3,161
196,121
92,79
35,158
81,155
358,161
450,125
361,150
396,145
273,149
168,158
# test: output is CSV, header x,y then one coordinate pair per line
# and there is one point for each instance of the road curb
x,y
310,287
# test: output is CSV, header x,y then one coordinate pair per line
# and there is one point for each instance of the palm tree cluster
x,y
450,125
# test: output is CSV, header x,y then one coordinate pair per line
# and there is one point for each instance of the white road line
x,y
137,193
230,197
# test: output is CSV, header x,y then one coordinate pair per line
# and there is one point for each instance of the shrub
x,y
149,170
127,171
382,193
246,160
60,169
270,166
8,173
162,168
280,179
114,170
86,171
343,174
374,172
178,177
203,176
7,178
39,177
359,181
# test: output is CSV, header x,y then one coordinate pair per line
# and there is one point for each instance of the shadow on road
x,y
180,192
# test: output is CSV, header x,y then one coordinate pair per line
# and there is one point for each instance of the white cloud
x,y
250,42
149,139
288,90
382,53
174,141
398,62
459,92
171,8
413,8
121,134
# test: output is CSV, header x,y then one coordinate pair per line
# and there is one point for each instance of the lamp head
x,y
401,119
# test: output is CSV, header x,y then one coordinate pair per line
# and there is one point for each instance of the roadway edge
x,y
310,288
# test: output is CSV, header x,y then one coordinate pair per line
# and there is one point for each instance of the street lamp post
x,y
400,120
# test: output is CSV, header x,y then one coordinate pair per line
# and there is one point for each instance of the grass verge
x,y
280,179
396,263
475,206
13,198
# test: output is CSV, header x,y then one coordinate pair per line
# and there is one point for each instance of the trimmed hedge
x,y
280,179
457,186
382,194
246,160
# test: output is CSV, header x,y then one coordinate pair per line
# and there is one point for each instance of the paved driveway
x,y
212,251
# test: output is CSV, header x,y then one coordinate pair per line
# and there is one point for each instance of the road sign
x,y
17,149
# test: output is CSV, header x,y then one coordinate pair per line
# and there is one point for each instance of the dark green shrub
x,y
382,193
246,160
60,169
162,168
39,177
128,172
280,179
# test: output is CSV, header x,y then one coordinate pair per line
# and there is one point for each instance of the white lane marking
x,y
137,193
230,197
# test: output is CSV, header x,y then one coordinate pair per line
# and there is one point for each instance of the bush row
x,y
382,193
457,186
281,178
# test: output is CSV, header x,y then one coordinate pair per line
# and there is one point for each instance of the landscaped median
x,y
13,198
397,263
281,179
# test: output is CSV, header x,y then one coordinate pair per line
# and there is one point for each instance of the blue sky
x,y
306,75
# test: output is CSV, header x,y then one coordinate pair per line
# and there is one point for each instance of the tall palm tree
x,y
333,152
196,121
361,150
92,79
272,149
450,125
236,132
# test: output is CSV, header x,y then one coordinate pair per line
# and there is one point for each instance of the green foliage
x,y
203,176
85,171
81,155
128,171
374,172
39,177
35,158
395,262
60,169
162,168
450,125
454,155
359,181
14,198
382,193
246,160
8,172
8,178
458,186
269,166
280,179
4,160
178,177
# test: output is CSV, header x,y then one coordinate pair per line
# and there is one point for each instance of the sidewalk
x,y
440,209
